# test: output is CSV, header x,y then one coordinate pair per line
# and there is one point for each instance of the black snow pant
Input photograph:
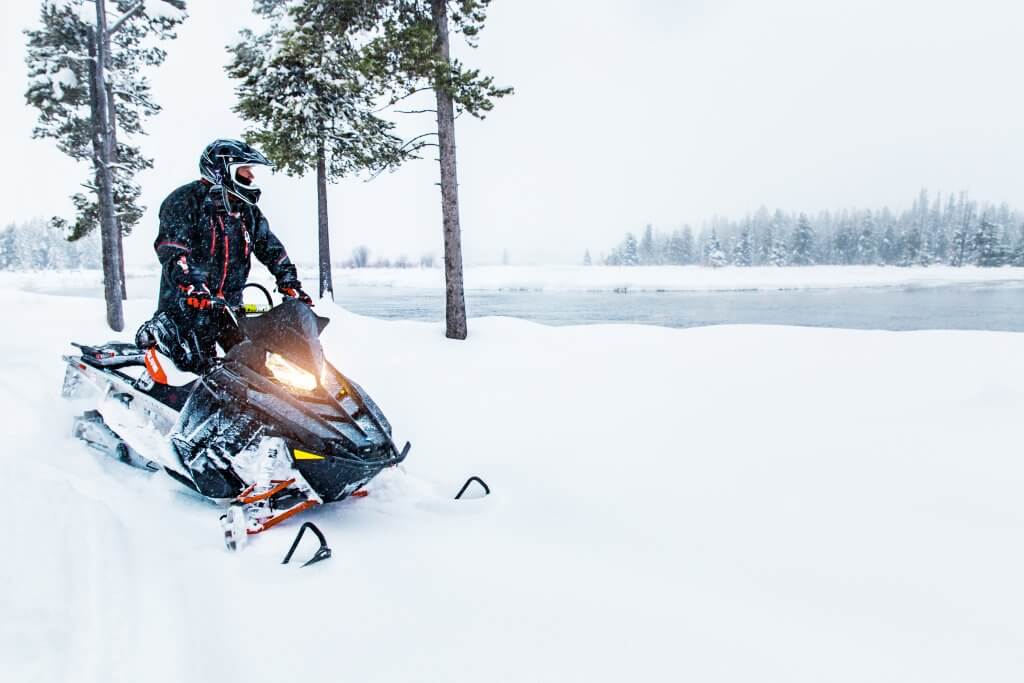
x,y
190,337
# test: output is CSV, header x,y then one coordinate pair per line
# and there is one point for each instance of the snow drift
x,y
712,504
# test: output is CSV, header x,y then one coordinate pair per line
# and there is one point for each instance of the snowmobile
x,y
270,428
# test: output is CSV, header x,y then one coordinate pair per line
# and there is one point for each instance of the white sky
x,y
662,111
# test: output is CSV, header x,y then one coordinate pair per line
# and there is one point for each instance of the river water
x,y
959,307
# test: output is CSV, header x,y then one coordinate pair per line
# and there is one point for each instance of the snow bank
x,y
598,278
63,280
712,504
676,278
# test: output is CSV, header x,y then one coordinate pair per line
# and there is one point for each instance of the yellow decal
x,y
305,455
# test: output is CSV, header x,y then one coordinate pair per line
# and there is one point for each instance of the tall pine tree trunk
x,y
101,138
326,285
112,110
455,300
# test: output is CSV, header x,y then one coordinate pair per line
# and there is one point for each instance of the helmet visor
x,y
244,175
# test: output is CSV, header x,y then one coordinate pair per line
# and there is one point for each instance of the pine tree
x,y
844,244
86,80
867,246
911,247
713,254
743,250
8,249
312,108
962,245
586,258
773,249
1017,256
676,253
779,255
686,246
936,239
412,52
360,256
802,253
629,252
647,251
988,244
888,247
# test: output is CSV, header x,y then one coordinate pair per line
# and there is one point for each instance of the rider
x,y
208,229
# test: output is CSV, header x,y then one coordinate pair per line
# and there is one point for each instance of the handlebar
x,y
245,309
217,303
250,309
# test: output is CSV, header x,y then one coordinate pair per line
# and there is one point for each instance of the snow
x,y
64,79
158,9
676,278
61,5
715,504
84,11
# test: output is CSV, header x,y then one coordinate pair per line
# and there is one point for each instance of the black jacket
x,y
201,243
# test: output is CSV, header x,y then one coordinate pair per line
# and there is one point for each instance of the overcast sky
x,y
660,111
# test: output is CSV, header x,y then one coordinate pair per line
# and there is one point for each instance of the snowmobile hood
x,y
292,330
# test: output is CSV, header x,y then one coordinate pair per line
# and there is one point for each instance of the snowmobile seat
x,y
111,355
171,396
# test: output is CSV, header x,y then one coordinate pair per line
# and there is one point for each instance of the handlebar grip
x,y
212,303
253,308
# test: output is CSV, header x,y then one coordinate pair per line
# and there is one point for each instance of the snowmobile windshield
x,y
291,330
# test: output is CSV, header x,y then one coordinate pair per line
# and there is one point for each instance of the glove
x,y
294,290
196,297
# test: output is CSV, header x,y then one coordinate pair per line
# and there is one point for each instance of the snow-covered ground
x,y
712,504
601,278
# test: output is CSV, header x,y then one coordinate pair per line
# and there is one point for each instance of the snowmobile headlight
x,y
289,374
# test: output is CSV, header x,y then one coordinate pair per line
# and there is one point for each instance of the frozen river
x,y
962,307
993,306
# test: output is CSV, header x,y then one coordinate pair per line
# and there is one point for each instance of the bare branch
x,y
132,96
415,111
124,17
403,97
410,142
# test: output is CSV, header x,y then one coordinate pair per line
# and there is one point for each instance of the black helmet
x,y
220,162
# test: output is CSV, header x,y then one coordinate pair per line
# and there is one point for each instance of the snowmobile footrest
x,y
487,489
322,553
278,518
279,486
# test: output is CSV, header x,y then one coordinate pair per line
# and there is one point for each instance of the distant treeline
x,y
361,259
953,230
37,245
